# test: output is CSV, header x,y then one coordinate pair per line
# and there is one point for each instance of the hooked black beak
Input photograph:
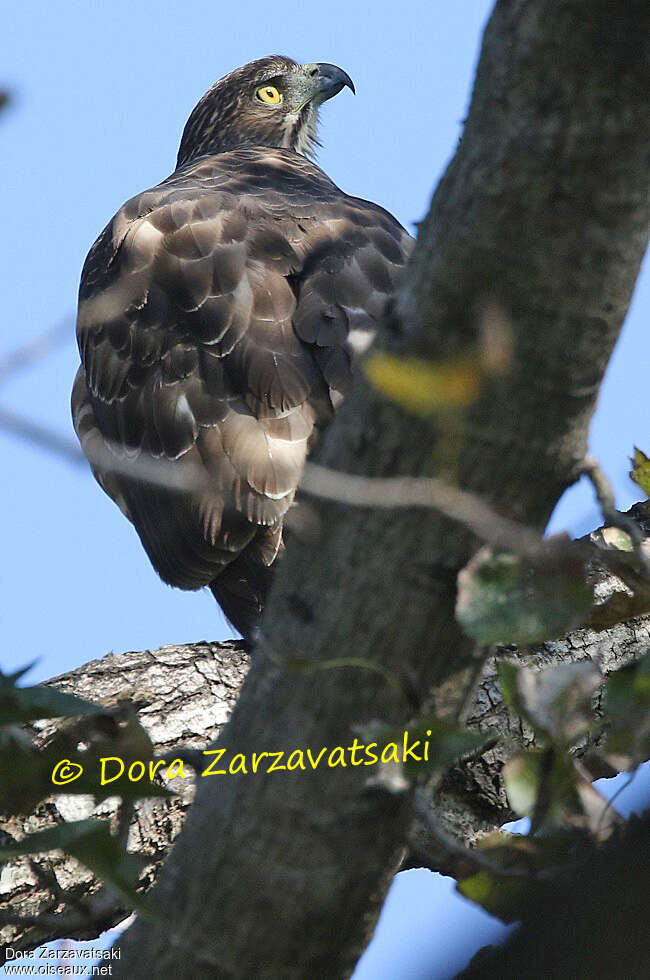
x,y
330,79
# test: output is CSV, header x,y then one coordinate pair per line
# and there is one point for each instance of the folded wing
x,y
218,317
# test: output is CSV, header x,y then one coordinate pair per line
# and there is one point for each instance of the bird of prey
x,y
219,314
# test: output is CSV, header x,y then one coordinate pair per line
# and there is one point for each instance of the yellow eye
x,y
269,94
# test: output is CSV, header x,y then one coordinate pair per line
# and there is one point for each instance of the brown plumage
x,y
219,313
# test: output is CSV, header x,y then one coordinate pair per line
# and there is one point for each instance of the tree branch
x,y
183,696
545,208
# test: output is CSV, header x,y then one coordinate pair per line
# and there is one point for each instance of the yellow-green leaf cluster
x,y
425,387
640,471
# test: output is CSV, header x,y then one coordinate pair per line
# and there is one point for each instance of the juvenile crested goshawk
x,y
219,313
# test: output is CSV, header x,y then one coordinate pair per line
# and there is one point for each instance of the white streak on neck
x,y
301,139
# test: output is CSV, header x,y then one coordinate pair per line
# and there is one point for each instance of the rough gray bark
x,y
471,800
184,695
545,209
544,212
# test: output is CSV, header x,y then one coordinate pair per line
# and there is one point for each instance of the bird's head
x,y
270,102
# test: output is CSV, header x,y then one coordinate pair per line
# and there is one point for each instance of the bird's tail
x,y
241,590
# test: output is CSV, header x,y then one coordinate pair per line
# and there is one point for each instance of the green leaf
x,y
518,869
117,735
91,769
29,774
556,701
640,471
507,672
20,705
91,842
17,674
427,745
522,778
59,837
502,600
542,785
24,776
545,786
627,715
102,854
613,537
447,744
501,897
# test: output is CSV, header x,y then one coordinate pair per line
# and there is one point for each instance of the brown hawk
x,y
219,313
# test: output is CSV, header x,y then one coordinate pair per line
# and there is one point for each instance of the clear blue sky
x,y
102,92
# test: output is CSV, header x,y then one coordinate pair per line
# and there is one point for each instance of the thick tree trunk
x,y
543,215
543,210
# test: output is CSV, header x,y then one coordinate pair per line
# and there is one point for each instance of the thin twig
x,y
41,436
609,804
27,355
458,505
604,491
399,492
125,813
91,916
194,758
453,848
602,485
47,880
481,655
62,922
